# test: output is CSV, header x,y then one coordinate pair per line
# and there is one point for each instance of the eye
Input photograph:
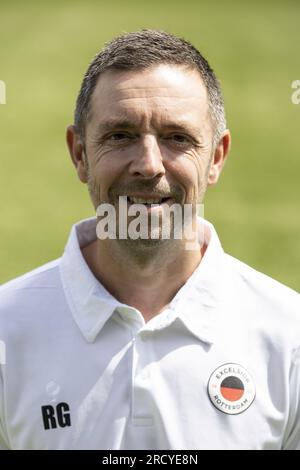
x,y
180,140
118,137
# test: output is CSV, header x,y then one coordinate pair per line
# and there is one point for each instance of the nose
x,y
147,161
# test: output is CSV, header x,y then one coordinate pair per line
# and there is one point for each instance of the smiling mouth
x,y
148,201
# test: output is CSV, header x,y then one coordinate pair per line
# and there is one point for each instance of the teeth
x,y
141,200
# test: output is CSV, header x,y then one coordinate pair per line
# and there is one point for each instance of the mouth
x,y
149,202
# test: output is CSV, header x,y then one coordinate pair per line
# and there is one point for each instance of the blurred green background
x,y
254,47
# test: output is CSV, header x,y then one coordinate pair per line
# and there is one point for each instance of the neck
x,y
145,279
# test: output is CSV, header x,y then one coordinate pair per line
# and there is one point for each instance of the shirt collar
x,y
90,303
198,303
195,304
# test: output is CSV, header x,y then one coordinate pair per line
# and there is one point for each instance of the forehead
x,y
162,91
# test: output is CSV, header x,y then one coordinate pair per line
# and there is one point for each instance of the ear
x,y
219,158
76,150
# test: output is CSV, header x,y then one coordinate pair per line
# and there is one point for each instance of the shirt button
x,y
145,335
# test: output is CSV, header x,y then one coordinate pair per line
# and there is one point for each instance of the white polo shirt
x,y
218,369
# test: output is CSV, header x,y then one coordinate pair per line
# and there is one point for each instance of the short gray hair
x,y
140,50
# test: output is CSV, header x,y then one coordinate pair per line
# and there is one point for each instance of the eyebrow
x,y
111,124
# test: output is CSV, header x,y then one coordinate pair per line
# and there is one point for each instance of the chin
x,y
144,245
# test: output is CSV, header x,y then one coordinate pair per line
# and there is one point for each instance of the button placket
x,y
142,413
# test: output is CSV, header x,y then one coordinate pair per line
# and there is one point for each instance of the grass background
x,y
254,47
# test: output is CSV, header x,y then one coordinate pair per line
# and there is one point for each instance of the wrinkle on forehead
x,y
175,92
160,81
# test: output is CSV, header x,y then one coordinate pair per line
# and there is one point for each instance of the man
x,y
133,342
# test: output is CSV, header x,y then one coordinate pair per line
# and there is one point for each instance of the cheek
x,y
190,171
106,171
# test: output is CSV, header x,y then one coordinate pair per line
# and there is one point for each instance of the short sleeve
x,y
292,436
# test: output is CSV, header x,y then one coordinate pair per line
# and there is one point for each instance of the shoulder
x,y
21,295
270,302
260,284
39,277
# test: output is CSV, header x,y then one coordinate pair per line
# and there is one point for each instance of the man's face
x,y
149,136
149,128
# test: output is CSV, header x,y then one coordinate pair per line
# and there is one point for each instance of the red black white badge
x,y
231,389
